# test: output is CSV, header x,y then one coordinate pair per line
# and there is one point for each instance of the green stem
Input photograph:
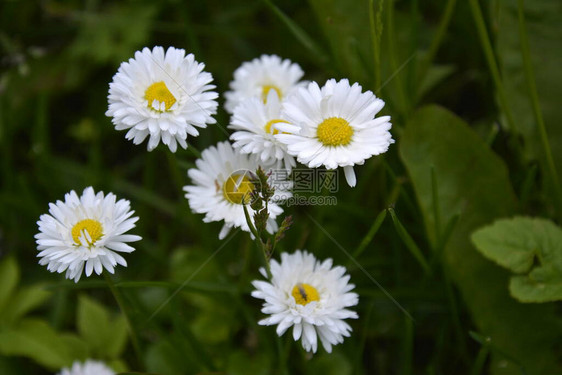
x,y
480,361
375,24
443,26
120,301
530,78
409,242
436,208
369,236
257,239
492,64
393,58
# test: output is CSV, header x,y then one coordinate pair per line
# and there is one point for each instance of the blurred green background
x,y
468,151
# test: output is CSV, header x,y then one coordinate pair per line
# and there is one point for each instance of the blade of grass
x,y
393,58
438,38
407,347
362,343
127,314
491,61
435,201
480,361
487,342
198,352
534,97
455,316
375,24
299,33
528,185
193,286
409,242
370,234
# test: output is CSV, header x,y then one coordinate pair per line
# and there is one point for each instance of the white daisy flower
x,y
85,231
309,295
221,184
164,95
89,367
261,75
334,126
255,123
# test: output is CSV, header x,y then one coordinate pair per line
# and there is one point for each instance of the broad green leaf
x,y
9,278
23,301
474,182
35,339
526,289
544,31
509,242
517,244
106,337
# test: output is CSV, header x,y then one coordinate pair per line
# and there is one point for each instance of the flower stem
x,y
258,240
119,298
492,64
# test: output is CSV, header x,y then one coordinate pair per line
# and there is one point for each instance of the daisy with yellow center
x,y
85,233
311,296
255,125
221,185
261,77
163,95
334,126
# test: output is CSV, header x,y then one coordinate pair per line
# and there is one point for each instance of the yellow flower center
x,y
270,123
305,294
93,227
265,91
334,131
236,188
159,91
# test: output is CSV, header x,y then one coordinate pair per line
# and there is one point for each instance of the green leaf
x,y
9,278
525,289
474,182
515,244
35,339
106,337
23,301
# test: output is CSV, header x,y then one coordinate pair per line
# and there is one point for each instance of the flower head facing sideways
x,y
255,124
222,186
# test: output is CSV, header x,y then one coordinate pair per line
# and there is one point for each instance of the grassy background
x,y
444,177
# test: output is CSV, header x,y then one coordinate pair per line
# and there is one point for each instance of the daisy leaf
x,y
517,244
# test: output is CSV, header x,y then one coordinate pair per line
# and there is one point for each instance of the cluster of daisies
x,y
276,120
